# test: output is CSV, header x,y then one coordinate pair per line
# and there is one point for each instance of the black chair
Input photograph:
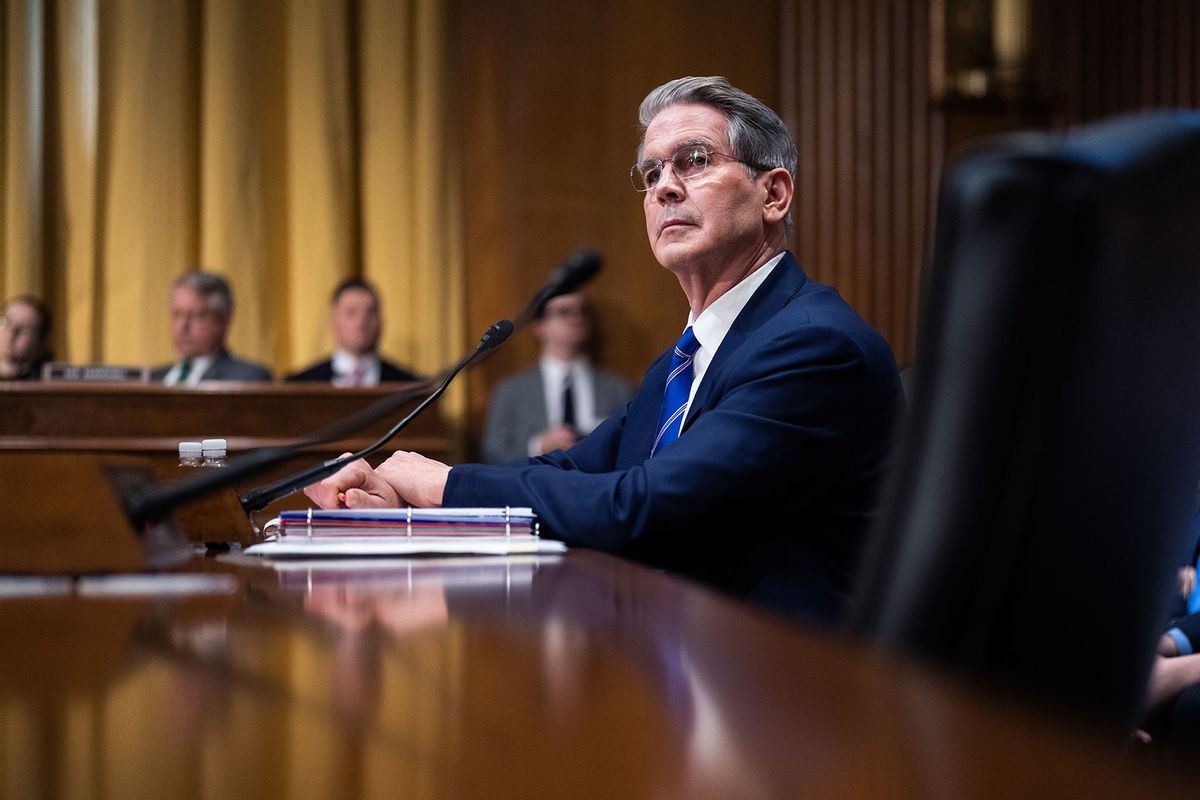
x,y
1041,496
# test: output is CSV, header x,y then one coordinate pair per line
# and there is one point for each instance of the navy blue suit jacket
x,y
768,490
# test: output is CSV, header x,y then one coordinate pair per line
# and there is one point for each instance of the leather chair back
x,y
1040,501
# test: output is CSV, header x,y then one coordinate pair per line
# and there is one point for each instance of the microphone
x,y
578,268
258,498
152,503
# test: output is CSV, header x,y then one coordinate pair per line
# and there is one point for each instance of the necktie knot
x,y
687,345
677,391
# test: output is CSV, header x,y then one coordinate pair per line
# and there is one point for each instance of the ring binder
x,y
407,531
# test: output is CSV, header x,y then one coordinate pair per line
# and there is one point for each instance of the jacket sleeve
x,y
505,437
785,425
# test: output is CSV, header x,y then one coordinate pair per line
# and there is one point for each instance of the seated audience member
x,y
1173,694
24,333
356,323
561,400
201,313
749,456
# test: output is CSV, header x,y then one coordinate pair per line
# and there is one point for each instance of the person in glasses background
x,y
24,339
749,456
554,404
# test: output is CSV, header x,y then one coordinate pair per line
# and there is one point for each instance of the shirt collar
x,y
557,367
343,362
716,320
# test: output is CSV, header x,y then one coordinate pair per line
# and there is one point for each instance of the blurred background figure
x,y
555,404
24,331
356,323
201,313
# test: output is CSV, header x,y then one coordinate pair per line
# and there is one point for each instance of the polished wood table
x,y
579,676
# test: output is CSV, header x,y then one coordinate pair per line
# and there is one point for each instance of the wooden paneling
x,y
857,99
855,91
1106,57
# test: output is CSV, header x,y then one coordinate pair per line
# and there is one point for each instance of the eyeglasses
x,y
687,162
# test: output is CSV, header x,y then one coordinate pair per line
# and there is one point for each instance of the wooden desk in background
x,y
149,420
581,676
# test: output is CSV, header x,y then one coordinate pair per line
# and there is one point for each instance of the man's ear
x,y
779,195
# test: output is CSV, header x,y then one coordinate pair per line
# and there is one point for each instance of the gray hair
x,y
212,287
756,133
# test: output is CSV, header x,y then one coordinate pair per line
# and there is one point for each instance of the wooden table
x,y
580,676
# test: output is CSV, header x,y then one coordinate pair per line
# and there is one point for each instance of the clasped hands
x,y
405,479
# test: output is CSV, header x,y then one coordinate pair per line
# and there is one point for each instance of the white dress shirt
x,y
343,369
554,374
715,321
200,365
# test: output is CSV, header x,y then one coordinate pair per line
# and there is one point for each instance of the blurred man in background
x,y
558,402
356,323
201,313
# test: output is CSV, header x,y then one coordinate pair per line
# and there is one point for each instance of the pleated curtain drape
x,y
286,144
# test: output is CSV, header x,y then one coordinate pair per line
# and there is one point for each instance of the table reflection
x,y
564,676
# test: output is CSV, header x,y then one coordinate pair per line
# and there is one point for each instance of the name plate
x,y
94,372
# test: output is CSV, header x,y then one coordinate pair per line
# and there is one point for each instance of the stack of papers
x,y
404,531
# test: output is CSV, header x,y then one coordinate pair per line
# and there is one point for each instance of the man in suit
x,y
561,400
201,312
750,455
356,323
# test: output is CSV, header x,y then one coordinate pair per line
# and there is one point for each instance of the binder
x,y
324,533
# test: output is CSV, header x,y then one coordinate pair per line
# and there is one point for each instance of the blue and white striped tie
x,y
677,391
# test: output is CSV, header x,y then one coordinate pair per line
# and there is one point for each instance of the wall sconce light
x,y
981,49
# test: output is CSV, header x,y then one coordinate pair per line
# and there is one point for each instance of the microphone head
x,y
579,268
495,336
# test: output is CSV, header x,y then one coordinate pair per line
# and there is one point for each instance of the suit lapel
x,y
213,372
783,283
641,423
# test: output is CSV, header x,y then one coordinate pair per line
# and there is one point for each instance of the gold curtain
x,y
286,144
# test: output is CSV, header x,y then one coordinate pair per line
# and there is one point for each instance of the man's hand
x,y
355,485
557,437
417,480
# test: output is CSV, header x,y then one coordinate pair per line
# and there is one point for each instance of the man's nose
x,y
669,185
